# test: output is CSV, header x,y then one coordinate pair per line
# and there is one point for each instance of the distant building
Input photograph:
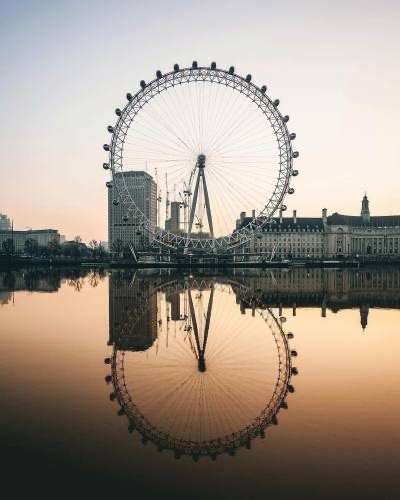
x,y
174,223
42,236
5,224
363,234
143,191
326,236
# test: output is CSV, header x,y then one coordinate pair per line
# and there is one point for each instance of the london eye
x,y
216,146
211,382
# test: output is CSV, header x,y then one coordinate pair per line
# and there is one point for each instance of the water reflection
x,y
191,373
201,390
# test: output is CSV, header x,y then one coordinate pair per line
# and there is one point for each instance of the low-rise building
x,y
326,236
18,238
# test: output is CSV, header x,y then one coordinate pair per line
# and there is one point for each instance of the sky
x,y
67,65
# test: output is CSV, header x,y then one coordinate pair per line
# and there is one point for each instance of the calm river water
x,y
242,385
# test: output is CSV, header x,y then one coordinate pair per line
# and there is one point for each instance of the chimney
x,y
280,216
253,214
324,215
242,216
295,216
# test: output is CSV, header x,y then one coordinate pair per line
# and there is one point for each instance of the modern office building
x,y
42,236
326,236
122,233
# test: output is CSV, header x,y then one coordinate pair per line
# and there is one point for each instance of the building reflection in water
x,y
202,365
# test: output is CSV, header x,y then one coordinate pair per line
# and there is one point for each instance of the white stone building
x,y
331,236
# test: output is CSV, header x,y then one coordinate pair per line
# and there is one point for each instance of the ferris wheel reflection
x,y
190,371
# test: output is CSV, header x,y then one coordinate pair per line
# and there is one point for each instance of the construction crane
x,y
167,202
183,203
159,198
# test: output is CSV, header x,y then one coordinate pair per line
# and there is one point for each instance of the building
x,y
121,232
326,236
5,224
287,237
42,236
174,223
363,235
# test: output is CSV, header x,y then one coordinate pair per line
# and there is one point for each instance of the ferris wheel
x,y
215,146
199,391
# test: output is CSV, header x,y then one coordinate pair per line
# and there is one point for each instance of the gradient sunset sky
x,y
67,65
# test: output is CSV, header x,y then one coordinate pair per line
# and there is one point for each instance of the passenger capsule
x,y
110,129
285,119
142,84
109,184
295,173
263,89
176,67
194,64
213,65
290,335
291,190
129,97
283,208
274,420
112,396
276,102
121,412
296,154
158,74
231,70
284,405
292,136
290,388
293,353
108,378
106,166
295,371
248,78
118,112
115,202
106,147
107,361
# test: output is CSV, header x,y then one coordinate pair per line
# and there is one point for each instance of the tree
x,y
101,251
31,247
94,247
8,246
